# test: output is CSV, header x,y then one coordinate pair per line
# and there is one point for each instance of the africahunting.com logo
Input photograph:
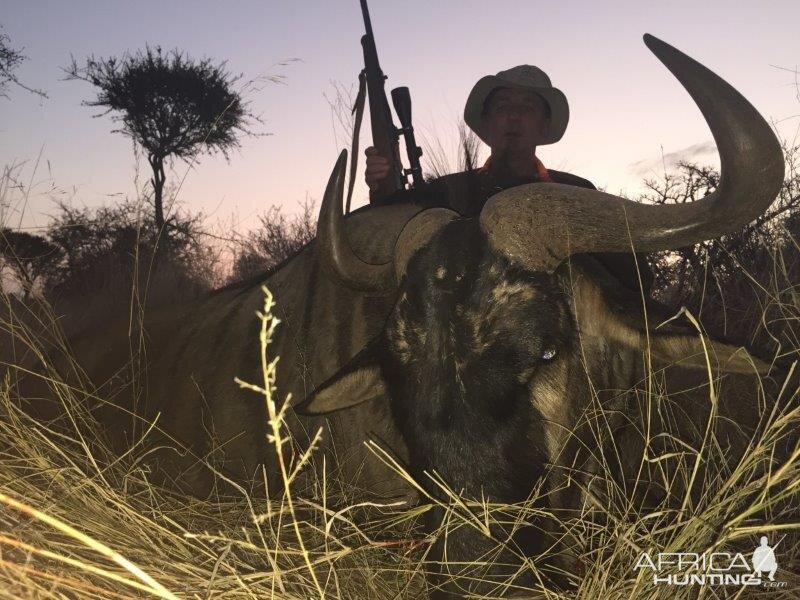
x,y
714,568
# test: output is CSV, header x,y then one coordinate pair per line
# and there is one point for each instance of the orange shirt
x,y
540,168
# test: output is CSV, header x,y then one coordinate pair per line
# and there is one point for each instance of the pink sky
x,y
627,111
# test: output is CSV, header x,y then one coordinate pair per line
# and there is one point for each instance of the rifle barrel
x,y
367,21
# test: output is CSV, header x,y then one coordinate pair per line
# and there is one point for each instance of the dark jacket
x,y
466,193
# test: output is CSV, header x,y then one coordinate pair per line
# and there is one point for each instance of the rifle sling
x,y
358,110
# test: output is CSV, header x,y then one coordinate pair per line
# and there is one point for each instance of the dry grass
x,y
80,522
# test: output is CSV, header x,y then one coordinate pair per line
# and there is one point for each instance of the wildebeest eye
x,y
549,354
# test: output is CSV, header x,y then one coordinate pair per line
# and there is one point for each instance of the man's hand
x,y
378,168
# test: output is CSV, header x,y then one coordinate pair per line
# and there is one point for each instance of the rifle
x,y
385,136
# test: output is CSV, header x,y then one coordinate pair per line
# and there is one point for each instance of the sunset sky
x,y
629,116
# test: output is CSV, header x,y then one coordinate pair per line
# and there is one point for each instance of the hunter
x,y
513,112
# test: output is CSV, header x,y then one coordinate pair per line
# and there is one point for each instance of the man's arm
x,y
436,192
378,169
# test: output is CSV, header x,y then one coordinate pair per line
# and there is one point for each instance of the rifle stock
x,y
384,133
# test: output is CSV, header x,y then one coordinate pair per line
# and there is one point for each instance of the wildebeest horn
x,y
335,252
417,233
539,225
338,257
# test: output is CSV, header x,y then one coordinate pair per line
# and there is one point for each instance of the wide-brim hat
x,y
526,77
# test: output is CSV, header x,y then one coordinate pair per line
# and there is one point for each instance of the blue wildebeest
x,y
472,347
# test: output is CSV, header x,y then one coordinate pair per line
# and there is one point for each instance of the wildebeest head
x,y
468,359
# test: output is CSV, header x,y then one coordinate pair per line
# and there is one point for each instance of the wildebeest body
x,y
183,366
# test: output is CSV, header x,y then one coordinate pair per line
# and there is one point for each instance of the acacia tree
x,y
10,59
170,105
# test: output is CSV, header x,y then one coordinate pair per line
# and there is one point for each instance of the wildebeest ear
x,y
604,307
358,381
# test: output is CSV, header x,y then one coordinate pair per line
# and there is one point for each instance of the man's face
x,y
516,121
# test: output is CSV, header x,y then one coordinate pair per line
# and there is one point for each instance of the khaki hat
x,y
526,77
